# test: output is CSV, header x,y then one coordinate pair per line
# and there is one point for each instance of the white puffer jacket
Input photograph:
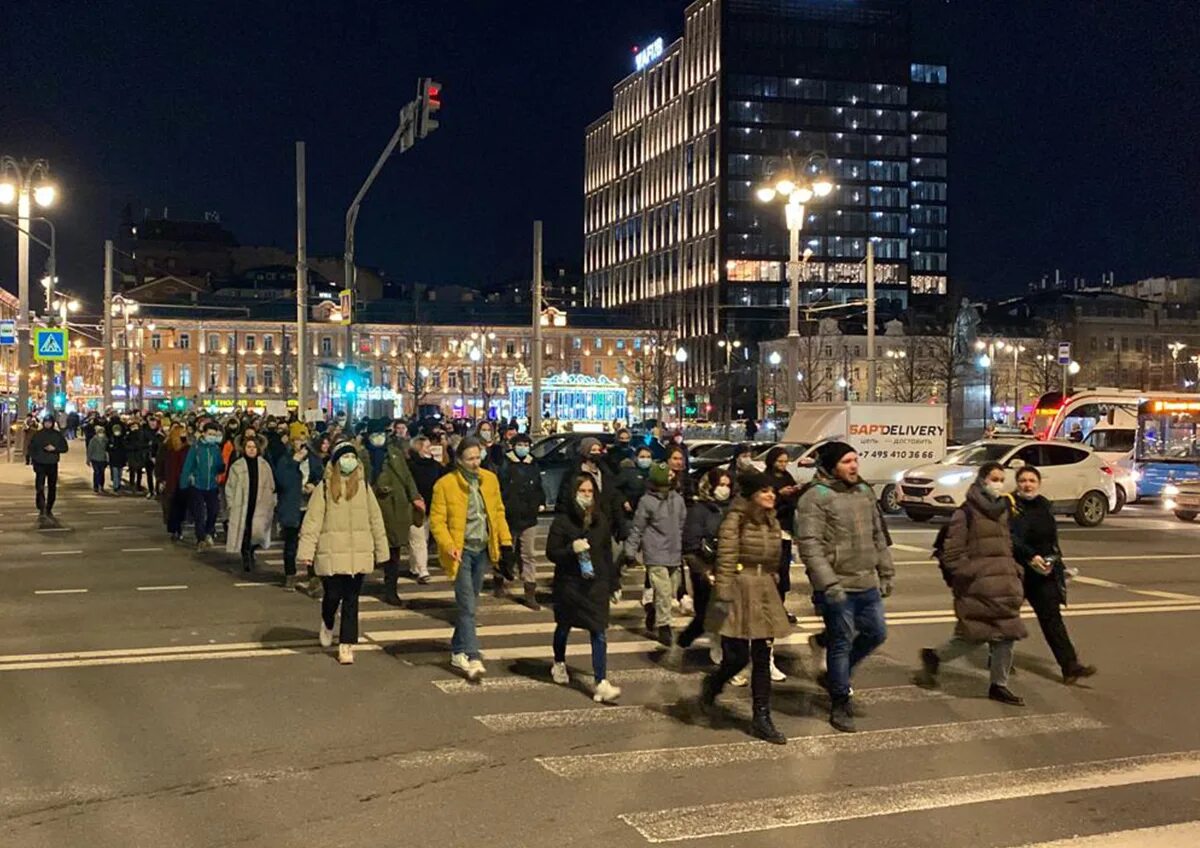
x,y
343,537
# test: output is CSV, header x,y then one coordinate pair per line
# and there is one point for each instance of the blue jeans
x,y
116,471
599,650
853,630
467,586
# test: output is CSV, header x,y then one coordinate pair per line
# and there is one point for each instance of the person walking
x,y
787,494
344,539
700,530
657,535
118,453
138,451
976,555
579,545
1035,546
397,494
746,610
521,490
468,523
97,458
201,468
154,442
844,548
426,471
169,470
250,493
44,448
297,473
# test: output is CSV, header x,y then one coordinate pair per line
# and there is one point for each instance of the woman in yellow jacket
x,y
467,521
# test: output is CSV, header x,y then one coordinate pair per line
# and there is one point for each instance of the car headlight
x,y
898,476
955,478
1170,490
1135,476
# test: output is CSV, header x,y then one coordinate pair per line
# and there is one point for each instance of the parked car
x,y
716,456
556,455
1114,444
794,450
1182,498
1075,480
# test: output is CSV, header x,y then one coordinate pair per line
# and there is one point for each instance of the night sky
x,y
1074,130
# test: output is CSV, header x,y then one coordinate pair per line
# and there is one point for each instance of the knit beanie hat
x,y
830,454
586,445
660,475
341,449
754,481
378,425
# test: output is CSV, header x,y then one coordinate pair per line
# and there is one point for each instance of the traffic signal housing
x,y
430,95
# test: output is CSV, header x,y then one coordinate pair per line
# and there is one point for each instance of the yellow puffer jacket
x,y
448,517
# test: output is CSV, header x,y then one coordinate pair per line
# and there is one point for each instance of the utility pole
x,y
303,380
108,327
871,375
535,393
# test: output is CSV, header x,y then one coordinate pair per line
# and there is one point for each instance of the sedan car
x,y
1076,481
1183,498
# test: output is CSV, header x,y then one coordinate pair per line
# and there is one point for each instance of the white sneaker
x,y
675,604
616,598
606,693
776,674
475,669
818,653
460,662
559,674
714,654
346,654
687,606
326,636
738,680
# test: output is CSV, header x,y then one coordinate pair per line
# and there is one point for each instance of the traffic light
x,y
180,403
430,94
60,400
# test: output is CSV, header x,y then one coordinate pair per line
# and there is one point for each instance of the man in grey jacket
x,y
657,534
844,547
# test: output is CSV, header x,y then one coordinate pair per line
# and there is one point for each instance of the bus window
x,y
1111,439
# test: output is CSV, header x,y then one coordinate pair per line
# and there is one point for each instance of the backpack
x,y
939,545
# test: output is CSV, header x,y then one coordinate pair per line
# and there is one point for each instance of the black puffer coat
x,y
521,491
984,577
580,601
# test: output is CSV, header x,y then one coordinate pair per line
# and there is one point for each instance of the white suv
x,y
1075,480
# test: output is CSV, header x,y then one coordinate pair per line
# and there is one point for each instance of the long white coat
x,y
237,492
345,536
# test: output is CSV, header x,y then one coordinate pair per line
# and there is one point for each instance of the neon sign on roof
x,y
648,55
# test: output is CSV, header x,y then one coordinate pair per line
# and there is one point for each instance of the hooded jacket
x,y
657,528
42,439
521,489
840,536
202,467
747,576
580,601
396,490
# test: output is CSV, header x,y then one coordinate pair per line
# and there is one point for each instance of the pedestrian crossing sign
x,y
50,344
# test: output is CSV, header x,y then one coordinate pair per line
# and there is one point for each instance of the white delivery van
x,y
889,438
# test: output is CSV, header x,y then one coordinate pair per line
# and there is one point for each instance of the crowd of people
x,y
348,498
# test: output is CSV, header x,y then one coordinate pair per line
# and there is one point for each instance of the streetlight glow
x,y
1073,368
44,195
822,186
985,361
785,187
681,355
801,195
8,193
765,193
775,359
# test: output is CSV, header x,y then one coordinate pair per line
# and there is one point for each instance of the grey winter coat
x,y
840,536
657,530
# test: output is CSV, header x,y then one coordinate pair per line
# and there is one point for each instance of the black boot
x,y
391,576
1072,676
1005,696
247,561
841,716
497,586
764,728
665,637
930,663
531,600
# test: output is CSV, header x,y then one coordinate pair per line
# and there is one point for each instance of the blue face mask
x,y
521,451
643,462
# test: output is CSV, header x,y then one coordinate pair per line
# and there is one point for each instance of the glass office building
x,y
673,230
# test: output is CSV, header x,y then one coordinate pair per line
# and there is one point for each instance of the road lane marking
x,y
1153,593
1167,836
59,591
118,527
138,550
251,585
515,683
589,716
748,816
102,512
179,657
60,553
54,529
822,745
916,549
160,588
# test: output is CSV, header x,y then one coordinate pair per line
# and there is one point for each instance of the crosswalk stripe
x,y
522,684
1168,836
748,816
543,719
823,745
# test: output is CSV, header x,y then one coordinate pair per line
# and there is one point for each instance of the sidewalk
x,y
72,466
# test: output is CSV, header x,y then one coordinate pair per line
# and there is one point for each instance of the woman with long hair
x,y
168,470
250,493
585,577
700,530
343,537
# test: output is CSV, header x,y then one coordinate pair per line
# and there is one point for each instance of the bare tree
x,y
946,363
907,377
813,362
655,369
415,361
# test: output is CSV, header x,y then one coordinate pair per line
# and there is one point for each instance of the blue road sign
x,y
8,332
50,344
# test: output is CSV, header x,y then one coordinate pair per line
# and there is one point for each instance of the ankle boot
x,y
764,728
247,561
391,575
841,716
531,600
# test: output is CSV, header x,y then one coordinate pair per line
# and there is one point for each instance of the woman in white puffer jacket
x,y
343,537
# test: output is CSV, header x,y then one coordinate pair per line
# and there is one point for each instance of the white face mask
x,y
378,439
584,501
347,463
993,488
721,493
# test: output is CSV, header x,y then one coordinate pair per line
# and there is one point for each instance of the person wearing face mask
x,y
174,497
297,474
976,556
631,480
343,537
578,544
250,493
591,463
44,448
700,529
621,451
426,471
521,490
97,458
138,447
493,450
657,535
154,442
843,544
468,523
743,460
1035,546
200,471
118,453
398,496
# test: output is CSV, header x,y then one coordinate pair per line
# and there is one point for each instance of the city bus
x,y
1167,450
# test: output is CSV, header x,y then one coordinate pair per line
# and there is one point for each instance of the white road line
x,y
118,527
748,816
160,588
60,591
1184,835
162,658
54,529
101,512
823,745
515,683
60,553
916,549
138,550
162,650
1153,593
252,585
542,719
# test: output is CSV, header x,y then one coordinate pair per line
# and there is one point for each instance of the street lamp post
x,y
26,183
796,186
728,345
1175,348
774,359
681,356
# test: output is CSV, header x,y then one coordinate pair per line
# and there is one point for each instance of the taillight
x,y
1107,469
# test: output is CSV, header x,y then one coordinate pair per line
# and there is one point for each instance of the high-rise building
x,y
672,226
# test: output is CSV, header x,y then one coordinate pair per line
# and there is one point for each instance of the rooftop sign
x,y
648,55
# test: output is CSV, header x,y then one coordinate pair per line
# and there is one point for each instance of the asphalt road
x,y
153,696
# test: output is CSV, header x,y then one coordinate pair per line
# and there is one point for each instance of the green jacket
x,y
840,536
396,490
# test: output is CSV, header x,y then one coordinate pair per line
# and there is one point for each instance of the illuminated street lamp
x,y
681,356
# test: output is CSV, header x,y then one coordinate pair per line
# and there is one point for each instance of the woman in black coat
x,y
700,529
1035,546
584,578
787,494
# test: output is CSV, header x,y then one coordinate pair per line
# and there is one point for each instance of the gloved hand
x,y
835,594
508,563
885,587
580,545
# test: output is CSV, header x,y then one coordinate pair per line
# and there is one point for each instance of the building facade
x,y
672,229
